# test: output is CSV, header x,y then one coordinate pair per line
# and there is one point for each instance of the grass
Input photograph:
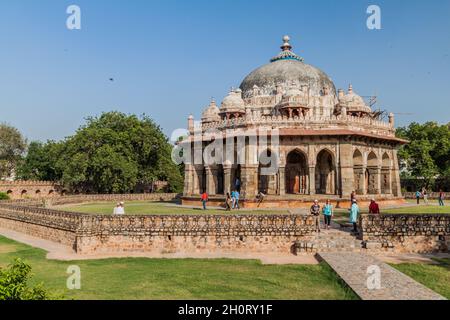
x,y
436,277
147,207
212,279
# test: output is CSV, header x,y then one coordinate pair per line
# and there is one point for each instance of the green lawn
x,y
435,277
147,207
142,278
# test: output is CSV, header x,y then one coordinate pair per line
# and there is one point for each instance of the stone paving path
x,y
353,269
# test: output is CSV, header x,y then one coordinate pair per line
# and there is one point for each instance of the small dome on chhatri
x,y
353,102
282,70
233,102
211,113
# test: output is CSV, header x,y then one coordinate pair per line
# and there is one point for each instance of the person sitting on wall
x,y
374,207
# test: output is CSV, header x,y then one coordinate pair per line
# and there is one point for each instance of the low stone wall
x,y
431,195
406,233
53,225
91,234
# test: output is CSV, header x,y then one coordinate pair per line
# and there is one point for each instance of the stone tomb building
x,y
330,142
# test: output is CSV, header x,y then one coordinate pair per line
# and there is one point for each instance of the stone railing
x,y
273,120
406,233
27,183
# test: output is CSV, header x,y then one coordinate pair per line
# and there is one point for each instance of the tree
x,y
428,153
114,152
14,284
40,162
12,147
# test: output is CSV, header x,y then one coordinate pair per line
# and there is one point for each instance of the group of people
x,y
328,212
232,200
424,195
119,209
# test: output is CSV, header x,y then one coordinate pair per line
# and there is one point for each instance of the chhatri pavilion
x,y
330,143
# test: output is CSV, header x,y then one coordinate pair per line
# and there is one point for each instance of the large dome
x,y
285,69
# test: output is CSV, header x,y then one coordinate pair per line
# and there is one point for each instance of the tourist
x,y
441,198
120,210
116,207
418,195
425,195
374,207
352,196
354,212
237,185
228,202
315,211
327,211
260,197
236,199
204,199
233,200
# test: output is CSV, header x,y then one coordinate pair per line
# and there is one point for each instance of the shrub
x,y
14,284
4,196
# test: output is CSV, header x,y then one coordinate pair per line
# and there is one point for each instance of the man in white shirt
x,y
119,209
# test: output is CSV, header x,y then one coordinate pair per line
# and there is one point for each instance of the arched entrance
x,y
267,178
296,173
386,174
220,180
325,173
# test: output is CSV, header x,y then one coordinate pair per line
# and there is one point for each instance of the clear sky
x,y
168,58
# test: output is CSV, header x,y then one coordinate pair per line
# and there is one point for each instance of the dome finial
x,y
286,53
286,45
350,88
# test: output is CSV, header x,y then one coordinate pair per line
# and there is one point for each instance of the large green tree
x,y
12,147
427,155
111,153
40,162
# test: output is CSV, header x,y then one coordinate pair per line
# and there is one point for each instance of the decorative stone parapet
x,y
415,233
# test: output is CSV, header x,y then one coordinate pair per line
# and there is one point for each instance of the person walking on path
x,y
228,202
233,200
315,211
327,211
418,194
425,195
374,207
204,200
441,198
236,199
354,212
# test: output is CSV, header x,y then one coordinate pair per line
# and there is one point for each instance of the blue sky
x,y
168,58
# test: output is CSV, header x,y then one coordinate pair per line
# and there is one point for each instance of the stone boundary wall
x,y
104,234
113,197
431,195
412,233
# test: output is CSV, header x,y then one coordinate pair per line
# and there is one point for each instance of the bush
x,y
4,196
14,284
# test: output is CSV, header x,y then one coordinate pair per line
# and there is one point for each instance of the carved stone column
x,y
312,180
249,181
227,178
281,181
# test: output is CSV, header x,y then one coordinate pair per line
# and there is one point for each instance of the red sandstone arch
x,y
296,172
